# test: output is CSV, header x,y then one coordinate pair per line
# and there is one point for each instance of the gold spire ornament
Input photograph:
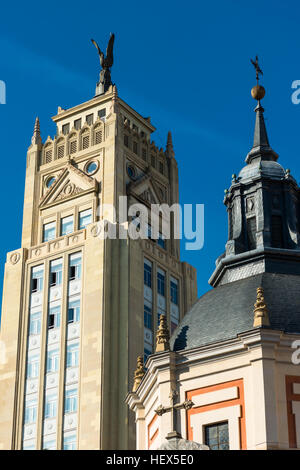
x,y
261,317
139,373
258,91
162,335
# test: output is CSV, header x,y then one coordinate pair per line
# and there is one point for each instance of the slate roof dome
x,y
264,168
227,310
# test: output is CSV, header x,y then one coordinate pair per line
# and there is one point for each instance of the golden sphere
x,y
258,92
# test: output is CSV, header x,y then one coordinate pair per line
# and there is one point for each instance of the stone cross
x,y
173,408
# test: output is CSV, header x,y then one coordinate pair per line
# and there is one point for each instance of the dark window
x,y
34,285
77,124
276,232
126,140
90,119
51,321
161,284
135,147
72,272
161,167
251,233
66,129
102,113
53,277
144,153
147,317
147,275
174,292
217,436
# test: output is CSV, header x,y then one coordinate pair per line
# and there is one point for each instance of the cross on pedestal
x,y
173,408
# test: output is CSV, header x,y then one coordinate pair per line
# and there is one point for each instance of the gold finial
x,y
261,317
258,91
162,335
139,373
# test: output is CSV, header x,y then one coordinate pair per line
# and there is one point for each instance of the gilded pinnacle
x,y
261,317
139,373
162,335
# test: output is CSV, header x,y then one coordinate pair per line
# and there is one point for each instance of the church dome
x,y
264,168
227,310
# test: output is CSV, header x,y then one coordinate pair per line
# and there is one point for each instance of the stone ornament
x,y
15,258
139,373
177,443
162,335
261,317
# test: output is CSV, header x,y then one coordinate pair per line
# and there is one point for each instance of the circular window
x,y
131,172
50,181
91,168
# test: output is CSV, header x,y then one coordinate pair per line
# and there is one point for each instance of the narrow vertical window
x,y
54,317
75,267
217,436
74,311
73,355
30,411
49,231
251,233
71,401
174,291
161,279
35,323
148,273
37,279
67,225
85,218
52,361
56,273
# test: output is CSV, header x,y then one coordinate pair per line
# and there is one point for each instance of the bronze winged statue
x,y
106,62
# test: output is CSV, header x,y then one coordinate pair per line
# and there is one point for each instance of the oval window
x,y
50,181
91,168
131,172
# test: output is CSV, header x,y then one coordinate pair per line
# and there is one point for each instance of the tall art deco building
x,y
77,307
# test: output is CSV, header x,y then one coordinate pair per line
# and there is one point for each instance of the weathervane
x,y
106,63
257,68
258,91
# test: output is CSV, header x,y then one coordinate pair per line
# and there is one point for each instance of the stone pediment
x,y
144,189
70,183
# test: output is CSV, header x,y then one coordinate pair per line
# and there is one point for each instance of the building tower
x,y
79,307
233,361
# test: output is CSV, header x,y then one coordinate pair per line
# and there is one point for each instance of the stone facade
x,y
73,302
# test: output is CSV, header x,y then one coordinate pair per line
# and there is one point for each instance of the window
x,y
70,442
73,146
161,167
37,279
147,317
33,367
50,181
144,153
135,128
161,282
54,317
49,445
49,231
67,225
74,311
85,142
217,436
251,233
35,323
91,168
89,119
30,411
66,129
148,274
73,355
52,361
98,137
135,147
161,241
102,113
50,406
60,151
126,140
55,273
71,401
77,124
75,266
276,232
174,291
85,218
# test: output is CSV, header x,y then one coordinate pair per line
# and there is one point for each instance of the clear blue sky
x,y
186,64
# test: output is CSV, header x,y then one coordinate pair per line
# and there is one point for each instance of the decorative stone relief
x,y
15,258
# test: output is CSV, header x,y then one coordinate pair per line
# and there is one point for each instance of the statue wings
x,y
108,60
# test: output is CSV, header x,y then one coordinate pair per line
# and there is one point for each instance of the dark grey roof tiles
x,y
225,311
